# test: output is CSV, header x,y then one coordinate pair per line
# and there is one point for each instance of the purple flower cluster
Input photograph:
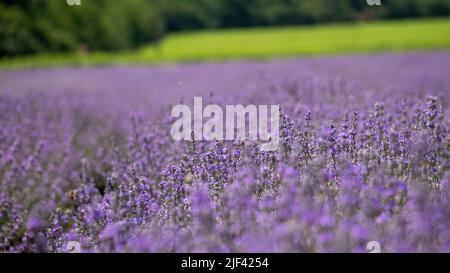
x,y
363,156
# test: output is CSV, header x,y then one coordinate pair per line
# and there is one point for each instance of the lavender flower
x,y
76,166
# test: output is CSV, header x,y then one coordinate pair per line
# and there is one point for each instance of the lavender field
x,y
86,155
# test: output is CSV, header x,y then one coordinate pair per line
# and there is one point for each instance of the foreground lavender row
x,y
86,156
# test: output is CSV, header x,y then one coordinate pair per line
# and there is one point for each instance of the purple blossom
x,y
369,159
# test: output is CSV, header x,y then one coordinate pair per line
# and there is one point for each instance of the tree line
x,y
35,26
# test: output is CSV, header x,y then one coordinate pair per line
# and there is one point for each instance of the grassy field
x,y
261,43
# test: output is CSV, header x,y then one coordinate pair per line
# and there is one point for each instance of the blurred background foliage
x,y
40,26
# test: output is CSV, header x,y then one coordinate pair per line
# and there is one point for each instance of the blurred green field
x,y
262,43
